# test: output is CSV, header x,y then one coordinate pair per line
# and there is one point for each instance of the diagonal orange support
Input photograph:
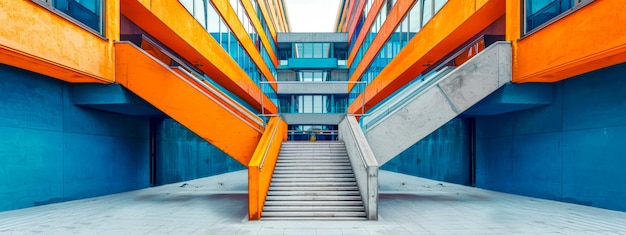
x,y
186,102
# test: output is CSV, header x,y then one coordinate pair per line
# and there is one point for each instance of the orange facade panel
x,y
588,39
185,102
67,52
456,23
171,24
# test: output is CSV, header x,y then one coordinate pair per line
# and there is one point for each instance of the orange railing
x,y
261,166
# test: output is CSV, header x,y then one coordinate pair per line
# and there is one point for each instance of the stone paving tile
x,y
217,205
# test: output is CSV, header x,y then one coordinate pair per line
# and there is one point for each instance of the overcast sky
x,y
312,15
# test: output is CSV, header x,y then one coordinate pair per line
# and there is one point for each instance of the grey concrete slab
x,y
217,205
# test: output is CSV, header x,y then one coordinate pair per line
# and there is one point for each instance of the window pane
x,y
427,11
439,4
85,11
415,19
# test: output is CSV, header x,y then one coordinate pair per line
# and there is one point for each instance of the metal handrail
x,y
406,94
226,99
269,144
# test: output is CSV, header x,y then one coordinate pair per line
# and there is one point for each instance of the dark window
x,y
88,12
539,12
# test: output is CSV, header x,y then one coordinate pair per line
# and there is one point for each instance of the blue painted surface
x,y
183,155
513,97
52,150
572,150
310,63
112,98
442,155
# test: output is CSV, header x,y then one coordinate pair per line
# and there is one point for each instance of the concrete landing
x,y
217,205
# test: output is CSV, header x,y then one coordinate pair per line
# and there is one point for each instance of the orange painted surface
x,y
394,18
341,15
260,171
588,39
34,38
254,18
266,14
457,22
232,106
171,24
230,16
348,14
371,17
352,27
184,102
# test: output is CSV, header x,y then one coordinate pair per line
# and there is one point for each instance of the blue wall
x,y
183,155
573,150
52,150
443,155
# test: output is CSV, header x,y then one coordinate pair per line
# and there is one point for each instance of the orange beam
x,y
35,38
254,18
261,166
352,27
456,23
394,18
371,17
230,16
171,24
573,45
184,102
348,14
266,14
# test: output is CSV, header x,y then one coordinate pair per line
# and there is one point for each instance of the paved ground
x,y
217,205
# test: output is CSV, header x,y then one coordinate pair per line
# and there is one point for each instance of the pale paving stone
x,y
217,205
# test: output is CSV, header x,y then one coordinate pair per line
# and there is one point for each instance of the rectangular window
x,y
87,12
539,12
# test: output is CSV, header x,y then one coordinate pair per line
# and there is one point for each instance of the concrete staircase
x,y
313,181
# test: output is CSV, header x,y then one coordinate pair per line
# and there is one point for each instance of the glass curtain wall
x,y
418,16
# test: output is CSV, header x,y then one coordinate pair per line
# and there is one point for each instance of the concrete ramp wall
x,y
438,102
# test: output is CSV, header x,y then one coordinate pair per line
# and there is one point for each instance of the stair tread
x,y
314,208
313,193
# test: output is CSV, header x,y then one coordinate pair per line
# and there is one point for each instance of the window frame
x,y
578,4
48,4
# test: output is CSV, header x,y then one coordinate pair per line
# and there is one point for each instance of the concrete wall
x,y
52,150
443,155
573,150
183,155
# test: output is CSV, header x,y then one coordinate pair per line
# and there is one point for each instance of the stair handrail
x,y
247,113
265,157
269,143
367,173
404,95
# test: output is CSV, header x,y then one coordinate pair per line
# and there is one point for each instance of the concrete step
x,y
312,171
311,188
320,179
281,218
313,208
314,193
316,167
320,163
313,184
320,175
313,198
313,203
331,214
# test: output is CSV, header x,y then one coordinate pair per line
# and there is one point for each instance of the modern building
x,y
105,96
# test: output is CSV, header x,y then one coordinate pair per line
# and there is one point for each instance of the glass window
x,y
427,12
541,11
88,12
317,50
